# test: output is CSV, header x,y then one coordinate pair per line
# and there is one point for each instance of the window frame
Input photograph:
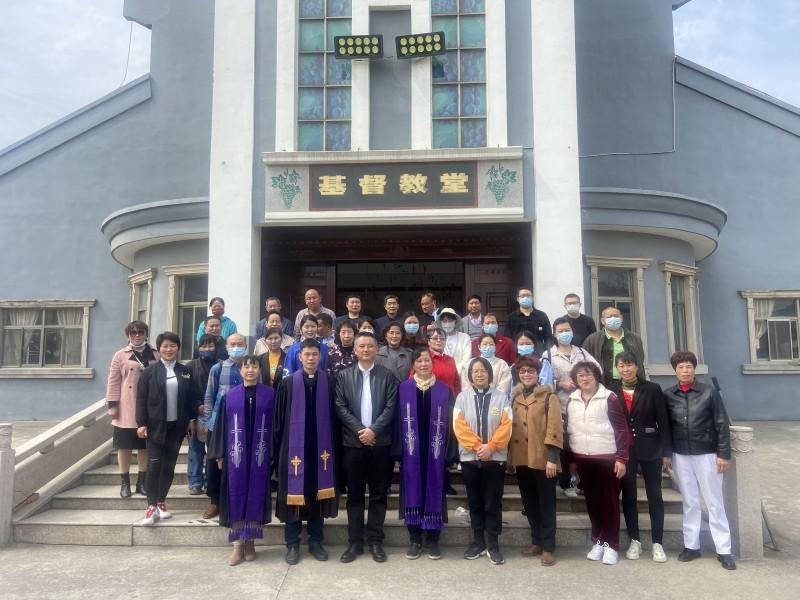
x,y
690,277
80,371
136,282
174,274
758,366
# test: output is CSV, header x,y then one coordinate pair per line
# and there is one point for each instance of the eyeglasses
x,y
584,376
137,332
528,372
437,338
479,372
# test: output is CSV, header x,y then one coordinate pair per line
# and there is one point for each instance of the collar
x,y
622,334
366,371
478,319
424,384
169,364
687,387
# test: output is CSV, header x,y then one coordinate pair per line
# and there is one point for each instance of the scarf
x,y
248,476
424,384
428,516
297,433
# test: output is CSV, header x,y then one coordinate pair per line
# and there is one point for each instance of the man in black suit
x,y
166,407
645,408
366,396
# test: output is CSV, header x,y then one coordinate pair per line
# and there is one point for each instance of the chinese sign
x,y
392,186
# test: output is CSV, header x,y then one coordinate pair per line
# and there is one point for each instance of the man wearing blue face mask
x,y
613,338
528,318
582,325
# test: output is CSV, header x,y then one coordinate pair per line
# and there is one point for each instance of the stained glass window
x,y
324,97
458,78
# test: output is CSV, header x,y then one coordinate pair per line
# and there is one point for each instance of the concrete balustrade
x,y
743,496
7,460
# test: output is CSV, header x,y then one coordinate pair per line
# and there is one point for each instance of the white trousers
x,y
697,474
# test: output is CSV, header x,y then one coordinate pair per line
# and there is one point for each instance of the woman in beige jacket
x,y
537,438
123,375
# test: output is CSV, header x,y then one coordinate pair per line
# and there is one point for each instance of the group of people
x,y
328,405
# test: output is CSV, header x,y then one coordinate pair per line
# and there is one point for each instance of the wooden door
x,y
496,283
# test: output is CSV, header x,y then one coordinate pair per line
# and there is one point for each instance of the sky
x,y
59,55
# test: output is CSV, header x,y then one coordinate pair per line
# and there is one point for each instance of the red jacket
x,y
505,349
444,369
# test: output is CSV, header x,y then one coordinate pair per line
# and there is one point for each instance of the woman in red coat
x,y
444,367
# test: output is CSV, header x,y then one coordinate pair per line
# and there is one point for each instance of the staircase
x,y
92,513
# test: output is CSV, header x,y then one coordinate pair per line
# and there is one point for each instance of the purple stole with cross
x,y
428,516
297,432
248,476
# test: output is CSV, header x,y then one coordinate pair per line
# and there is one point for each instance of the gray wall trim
x,y
75,124
737,95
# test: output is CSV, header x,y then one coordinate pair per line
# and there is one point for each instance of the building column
x,y
234,244
557,248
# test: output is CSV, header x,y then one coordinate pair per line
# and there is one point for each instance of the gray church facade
x,y
553,144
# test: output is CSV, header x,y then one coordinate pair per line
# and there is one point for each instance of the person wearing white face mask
x,y
531,319
582,325
613,338
501,373
458,345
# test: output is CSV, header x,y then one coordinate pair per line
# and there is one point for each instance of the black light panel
x,y
358,46
420,44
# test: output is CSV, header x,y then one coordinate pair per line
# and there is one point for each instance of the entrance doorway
x,y
453,262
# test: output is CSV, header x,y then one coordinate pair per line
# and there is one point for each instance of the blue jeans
x,y
291,531
196,460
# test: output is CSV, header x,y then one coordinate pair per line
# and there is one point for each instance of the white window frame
x,y
50,372
766,367
174,273
690,275
136,281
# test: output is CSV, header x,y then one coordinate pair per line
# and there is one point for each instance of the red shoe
x,y
151,516
163,513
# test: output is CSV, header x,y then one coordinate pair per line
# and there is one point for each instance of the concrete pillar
x,y
557,248
743,496
6,482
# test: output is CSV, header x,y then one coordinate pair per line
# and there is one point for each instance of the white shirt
x,y
172,390
366,396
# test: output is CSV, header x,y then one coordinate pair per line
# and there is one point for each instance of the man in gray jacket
x,y
366,397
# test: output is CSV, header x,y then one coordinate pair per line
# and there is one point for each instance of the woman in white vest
x,y
598,443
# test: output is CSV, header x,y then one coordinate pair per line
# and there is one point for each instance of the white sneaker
x,y
163,513
150,517
610,556
570,492
596,553
658,553
634,551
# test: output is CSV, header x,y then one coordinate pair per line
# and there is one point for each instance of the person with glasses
x,y
444,367
501,373
126,366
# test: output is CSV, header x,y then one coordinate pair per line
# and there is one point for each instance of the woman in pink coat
x,y
123,375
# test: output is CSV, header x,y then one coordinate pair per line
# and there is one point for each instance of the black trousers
x,y
651,471
539,499
484,482
161,459
213,480
368,465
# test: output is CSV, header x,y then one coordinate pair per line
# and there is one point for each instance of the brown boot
x,y
532,550
548,559
249,550
237,555
211,512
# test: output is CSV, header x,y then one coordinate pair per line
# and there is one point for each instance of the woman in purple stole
x,y
242,444
425,443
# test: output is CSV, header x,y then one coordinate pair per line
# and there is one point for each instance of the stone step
x,y
106,497
121,528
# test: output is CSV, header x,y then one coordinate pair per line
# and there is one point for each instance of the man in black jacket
x,y
366,395
529,318
701,453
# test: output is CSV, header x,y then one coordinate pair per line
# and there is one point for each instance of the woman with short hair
x,y
392,354
341,355
501,373
217,307
126,367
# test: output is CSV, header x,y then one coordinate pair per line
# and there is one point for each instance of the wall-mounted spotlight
x,y
420,44
358,46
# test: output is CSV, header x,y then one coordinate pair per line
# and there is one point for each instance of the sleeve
x,y
114,380
279,422
297,324
141,397
346,416
591,326
259,331
547,331
554,436
553,453
590,344
216,438
622,433
191,399
211,391
722,424
466,437
384,420
451,450
397,435
201,329
503,375
662,419
502,435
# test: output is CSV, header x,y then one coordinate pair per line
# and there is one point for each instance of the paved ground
x,y
29,571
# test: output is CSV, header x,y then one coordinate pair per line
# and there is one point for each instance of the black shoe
x,y
353,550
141,478
378,555
495,556
727,561
414,551
475,550
451,491
687,554
433,551
125,487
292,555
317,551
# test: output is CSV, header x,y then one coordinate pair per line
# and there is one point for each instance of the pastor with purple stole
x,y
425,511
247,460
326,487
